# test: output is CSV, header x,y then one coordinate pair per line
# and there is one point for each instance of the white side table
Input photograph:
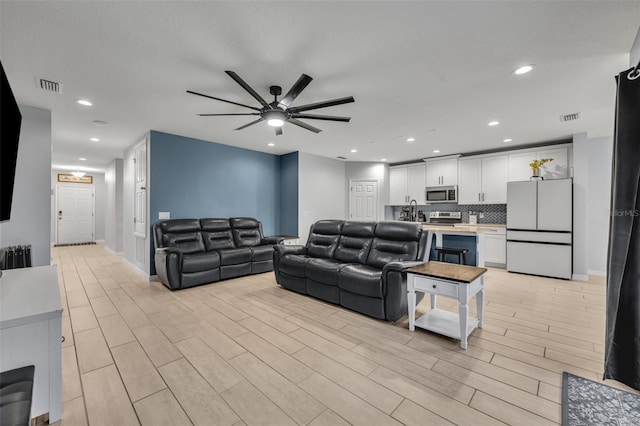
x,y
30,333
451,280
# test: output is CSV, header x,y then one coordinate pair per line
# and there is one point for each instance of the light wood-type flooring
x,y
245,351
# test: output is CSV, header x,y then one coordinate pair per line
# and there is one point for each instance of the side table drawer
x,y
440,288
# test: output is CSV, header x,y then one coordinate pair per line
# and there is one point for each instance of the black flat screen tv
x,y
10,122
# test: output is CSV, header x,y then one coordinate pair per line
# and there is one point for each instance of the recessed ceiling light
x,y
383,159
411,139
508,140
435,151
354,150
84,102
82,159
100,123
271,144
94,140
523,69
493,123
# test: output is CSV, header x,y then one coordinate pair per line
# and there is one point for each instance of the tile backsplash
x,y
493,213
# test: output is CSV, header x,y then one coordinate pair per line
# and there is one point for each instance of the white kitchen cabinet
x,y
495,246
442,172
519,168
470,181
398,180
406,183
483,180
494,179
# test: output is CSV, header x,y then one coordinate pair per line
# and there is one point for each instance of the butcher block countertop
x,y
448,271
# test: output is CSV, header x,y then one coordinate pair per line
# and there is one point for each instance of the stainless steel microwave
x,y
442,194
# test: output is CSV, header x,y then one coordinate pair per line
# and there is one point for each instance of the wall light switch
x,y
305,214
164,215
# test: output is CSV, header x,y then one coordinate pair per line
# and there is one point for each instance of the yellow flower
x,y
535,164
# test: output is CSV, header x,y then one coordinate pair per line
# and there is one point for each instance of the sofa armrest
x,y
400,266
282,250
271,240
168,261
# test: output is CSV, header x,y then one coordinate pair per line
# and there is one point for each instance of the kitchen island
x,y
466,236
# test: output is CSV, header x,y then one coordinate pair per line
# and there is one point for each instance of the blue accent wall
x,y
289,194
192,178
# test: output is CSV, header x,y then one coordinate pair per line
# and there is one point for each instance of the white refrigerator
x,y
539,227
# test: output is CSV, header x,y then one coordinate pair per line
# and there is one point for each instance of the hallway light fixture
x,y
78,174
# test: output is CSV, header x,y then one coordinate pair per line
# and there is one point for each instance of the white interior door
x,y
75,214
140,202
363,200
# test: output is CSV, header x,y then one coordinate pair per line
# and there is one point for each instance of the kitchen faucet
x,y
413,210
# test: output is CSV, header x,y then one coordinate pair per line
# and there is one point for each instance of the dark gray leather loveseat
x,y
191,252
359,265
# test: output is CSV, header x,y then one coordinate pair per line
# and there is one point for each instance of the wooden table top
x,y
448,271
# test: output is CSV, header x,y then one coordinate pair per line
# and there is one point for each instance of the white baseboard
x,y
579,277
117,253
100,241
596,273
136,267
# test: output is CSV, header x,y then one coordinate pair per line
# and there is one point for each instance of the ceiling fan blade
x,y
322,104
215,115
222,100
295,90
304,125
248,88
278,131
250,124
321,117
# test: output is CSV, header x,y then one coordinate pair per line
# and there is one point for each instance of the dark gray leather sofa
x,y
358,265
191,252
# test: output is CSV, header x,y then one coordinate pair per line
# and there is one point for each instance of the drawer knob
x,y
434,286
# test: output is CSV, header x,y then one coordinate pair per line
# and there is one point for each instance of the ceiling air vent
x,y
570,117
340,157
48,85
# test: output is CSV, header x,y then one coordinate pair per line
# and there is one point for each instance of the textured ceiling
x,y
436,71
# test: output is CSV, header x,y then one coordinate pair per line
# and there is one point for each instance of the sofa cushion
x,y
261,253
355,242
246,231
217,234
323,239
200,261
187,242
235,256
394,242
324,271
361,279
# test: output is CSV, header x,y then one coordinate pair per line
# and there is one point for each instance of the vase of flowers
x,y
535,167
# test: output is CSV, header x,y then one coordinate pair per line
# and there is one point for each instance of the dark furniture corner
x,y
192,252
358,265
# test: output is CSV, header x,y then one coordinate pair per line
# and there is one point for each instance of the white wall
x,y
99,194
591,204
362,170
321,191
30,218
113,206
635,50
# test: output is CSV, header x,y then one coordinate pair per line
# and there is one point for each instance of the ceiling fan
x,y
280,111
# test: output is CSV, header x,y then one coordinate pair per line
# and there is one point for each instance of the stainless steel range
x,y
445,218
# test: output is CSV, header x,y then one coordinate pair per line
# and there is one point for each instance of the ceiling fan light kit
x,y
280,111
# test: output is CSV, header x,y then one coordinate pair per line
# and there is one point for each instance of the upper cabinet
x,y
483,180
407,183
557,169
442,172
